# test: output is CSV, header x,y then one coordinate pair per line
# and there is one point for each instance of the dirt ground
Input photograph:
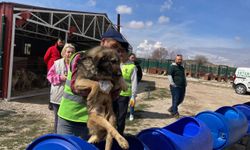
x,y
23,120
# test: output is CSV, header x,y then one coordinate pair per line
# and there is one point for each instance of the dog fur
x,y
101,64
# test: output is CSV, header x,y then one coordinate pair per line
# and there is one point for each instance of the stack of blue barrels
x,y
208,130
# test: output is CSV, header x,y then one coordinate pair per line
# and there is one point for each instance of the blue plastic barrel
x,y
186,133
227,125
134,144
60,142
245,109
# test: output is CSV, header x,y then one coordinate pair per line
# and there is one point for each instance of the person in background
x,y
52,54
73,115
57,76
128,97
132,57
178,83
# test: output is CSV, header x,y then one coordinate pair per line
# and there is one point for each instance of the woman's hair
x,y
130,54
67,45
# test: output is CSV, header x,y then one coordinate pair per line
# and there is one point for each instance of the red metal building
x,y
26,33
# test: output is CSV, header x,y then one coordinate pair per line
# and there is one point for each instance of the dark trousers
x,y
120,107
55,109
178,94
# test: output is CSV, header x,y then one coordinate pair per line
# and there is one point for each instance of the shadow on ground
x,y
146,86
151,115
41,99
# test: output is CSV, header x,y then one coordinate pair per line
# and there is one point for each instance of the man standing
x,y
132,57
73,115
53,53
178,83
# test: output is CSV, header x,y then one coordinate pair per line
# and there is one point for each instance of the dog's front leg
x,y
99,120
109,138
83,84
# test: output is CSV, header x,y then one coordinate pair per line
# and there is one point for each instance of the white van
x,y
241,81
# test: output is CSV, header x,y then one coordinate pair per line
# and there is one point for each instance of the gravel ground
x,y
25,119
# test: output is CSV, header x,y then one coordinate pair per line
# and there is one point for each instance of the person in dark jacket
x,y
132,57
178,83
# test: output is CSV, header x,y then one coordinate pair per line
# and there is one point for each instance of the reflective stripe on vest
x,y
71,96
127,70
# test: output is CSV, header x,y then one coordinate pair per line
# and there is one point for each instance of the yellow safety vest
x,y
72,107
127,70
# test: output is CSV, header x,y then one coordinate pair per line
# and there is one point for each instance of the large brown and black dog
x,y
101,64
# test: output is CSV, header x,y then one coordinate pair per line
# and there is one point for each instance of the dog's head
x,y
106,60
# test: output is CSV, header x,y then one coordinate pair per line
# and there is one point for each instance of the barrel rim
x,y
52,136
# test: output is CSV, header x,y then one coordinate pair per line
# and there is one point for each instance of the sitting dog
x,y
101,64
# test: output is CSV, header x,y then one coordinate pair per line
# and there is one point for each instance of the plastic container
x,y
186,133
134,144
245,109
227,125
60,142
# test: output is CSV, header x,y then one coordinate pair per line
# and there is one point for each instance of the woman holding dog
x,y
57,76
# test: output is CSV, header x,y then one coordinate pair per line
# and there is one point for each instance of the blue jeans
x,y
132,110
178,94
72,128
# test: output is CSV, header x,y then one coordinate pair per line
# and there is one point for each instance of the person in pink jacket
x,y
57,76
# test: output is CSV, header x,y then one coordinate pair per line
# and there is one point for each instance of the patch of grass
x,y
19,130
158,93
141,107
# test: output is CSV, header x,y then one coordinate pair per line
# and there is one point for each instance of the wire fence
x,y
208,72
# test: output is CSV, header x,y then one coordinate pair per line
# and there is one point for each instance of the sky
x,y
217,29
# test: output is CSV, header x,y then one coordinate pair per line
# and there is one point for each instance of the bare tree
x,y
200,59
172,55
160,53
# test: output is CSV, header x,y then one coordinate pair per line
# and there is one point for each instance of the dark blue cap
x,y
113,34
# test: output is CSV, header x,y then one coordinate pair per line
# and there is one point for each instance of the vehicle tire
x,y
240,89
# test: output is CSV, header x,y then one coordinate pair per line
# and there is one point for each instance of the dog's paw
x,y
94,139
123,84
123,143
124,87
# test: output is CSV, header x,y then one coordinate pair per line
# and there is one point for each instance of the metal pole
x,y
1,51
118,22
11,57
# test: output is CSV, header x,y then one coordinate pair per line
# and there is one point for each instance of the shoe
x,y
131,117
50,107
176,115
170,110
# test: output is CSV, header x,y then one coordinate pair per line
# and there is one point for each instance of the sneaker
x,y
131,117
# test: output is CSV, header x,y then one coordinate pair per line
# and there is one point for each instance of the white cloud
x,y
123,9
237,38
136,24
146,47
149,24
166,5
92,2
163,19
